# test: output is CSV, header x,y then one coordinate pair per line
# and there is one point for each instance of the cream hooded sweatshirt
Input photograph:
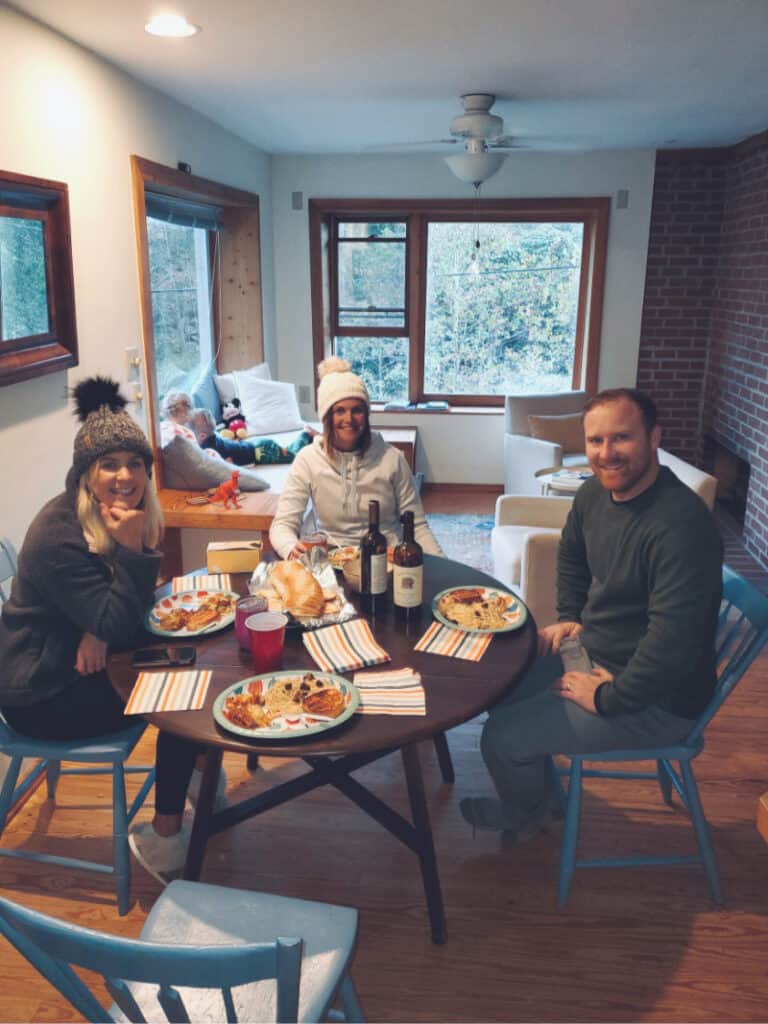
x,y
340,490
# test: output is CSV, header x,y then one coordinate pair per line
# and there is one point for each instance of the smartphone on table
x,y
163,657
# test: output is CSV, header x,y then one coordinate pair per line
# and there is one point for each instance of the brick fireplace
x,y
704,339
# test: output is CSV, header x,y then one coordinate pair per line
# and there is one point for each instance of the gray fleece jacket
x,y
61,591
340,490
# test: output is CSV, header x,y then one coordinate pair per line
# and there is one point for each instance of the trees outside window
x,y
180,275
460,301
37,299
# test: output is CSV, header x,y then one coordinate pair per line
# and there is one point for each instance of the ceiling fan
x,y
480,131
482,135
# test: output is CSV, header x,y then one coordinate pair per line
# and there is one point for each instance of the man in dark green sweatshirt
x,y
639,581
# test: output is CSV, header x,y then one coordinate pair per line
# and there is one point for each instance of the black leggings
x,y
89,707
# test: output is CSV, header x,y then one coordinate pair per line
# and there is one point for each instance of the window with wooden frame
x,y
200,273
463,301
37,296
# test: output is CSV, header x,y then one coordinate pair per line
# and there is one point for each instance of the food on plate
x,y
293,695
212,608
245,710
473,608
297,588
328,702
340,556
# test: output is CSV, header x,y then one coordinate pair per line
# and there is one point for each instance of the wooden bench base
x,y
255,515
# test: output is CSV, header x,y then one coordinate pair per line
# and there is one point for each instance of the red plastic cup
x,y
267,632
244,608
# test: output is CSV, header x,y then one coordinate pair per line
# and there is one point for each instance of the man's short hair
x,y
644,403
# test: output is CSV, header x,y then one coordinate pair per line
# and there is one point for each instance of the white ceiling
x,y
335,76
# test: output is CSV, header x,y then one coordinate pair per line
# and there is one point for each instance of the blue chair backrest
x,y
7,568
741,635
52,946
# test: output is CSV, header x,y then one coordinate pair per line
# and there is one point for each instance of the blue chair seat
x,y
205,953
111,750
742,634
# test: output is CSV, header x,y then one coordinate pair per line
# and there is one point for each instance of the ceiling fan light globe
x,y
475,167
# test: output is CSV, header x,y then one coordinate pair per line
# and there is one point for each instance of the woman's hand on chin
x,y
125,526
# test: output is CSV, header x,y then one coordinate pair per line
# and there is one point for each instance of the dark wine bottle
x,y
373,556
407,568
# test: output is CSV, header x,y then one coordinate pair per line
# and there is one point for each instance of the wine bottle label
x,y
379,573
407,585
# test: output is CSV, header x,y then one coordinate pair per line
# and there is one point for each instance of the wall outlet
x,y
304,394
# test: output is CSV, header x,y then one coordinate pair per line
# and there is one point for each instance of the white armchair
x,y
524,544
523,454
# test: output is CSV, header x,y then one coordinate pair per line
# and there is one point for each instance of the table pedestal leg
x,y
425,847
203,813
444,757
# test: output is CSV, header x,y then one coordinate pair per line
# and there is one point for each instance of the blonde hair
x,y
89,515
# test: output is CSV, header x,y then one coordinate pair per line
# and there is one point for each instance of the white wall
x,y
461,447
68,116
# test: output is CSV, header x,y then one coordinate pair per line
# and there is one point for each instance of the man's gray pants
x,y
528,727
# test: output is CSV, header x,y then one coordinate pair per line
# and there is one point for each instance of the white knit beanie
x,y
337,382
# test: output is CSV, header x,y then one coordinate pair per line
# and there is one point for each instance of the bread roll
x,y
299,591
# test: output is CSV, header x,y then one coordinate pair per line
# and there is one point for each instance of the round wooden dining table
x,y
456,691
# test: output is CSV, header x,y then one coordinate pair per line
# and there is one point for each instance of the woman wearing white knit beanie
x,y
344,468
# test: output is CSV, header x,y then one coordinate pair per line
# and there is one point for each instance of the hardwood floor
x,y
641,944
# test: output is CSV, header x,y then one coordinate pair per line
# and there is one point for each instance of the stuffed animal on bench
x,y
234,421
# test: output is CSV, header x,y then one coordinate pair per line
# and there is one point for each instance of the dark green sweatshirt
x,y
643,577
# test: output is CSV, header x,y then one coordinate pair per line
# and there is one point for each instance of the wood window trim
x,y
55,350
237,300
592,211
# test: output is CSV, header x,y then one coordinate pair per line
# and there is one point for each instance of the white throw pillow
x,y
226,385
268,406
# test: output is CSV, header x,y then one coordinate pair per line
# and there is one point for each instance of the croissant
x,y
298,589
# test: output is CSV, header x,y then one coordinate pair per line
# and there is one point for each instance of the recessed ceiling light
x,y
174,26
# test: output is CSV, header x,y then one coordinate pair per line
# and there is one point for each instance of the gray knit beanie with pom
x,y
107,427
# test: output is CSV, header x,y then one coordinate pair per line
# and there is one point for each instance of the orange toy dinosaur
x,y
228,491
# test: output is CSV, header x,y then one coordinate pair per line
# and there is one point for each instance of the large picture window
x,y
462,301
200,272
37,302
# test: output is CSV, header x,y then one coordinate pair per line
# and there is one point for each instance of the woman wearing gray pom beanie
x,y
86,577
343,469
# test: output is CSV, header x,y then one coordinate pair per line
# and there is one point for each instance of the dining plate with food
x,y
286,705
339,557
192,613
479,609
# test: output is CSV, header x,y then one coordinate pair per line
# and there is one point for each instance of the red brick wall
x,y
704,335
736,383
679,290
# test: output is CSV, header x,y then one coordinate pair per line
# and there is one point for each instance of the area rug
x,y
465,538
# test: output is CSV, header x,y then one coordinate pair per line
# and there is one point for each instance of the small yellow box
x,y
234,555
762,816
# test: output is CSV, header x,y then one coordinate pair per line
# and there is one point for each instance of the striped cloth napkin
x,y
345,646
395,692
168,691
218,581
454,643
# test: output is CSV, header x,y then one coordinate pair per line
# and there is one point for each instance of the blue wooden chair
x,y
742,633
205,953
99,755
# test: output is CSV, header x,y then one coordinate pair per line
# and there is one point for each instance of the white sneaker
x,y
220,801
162,856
